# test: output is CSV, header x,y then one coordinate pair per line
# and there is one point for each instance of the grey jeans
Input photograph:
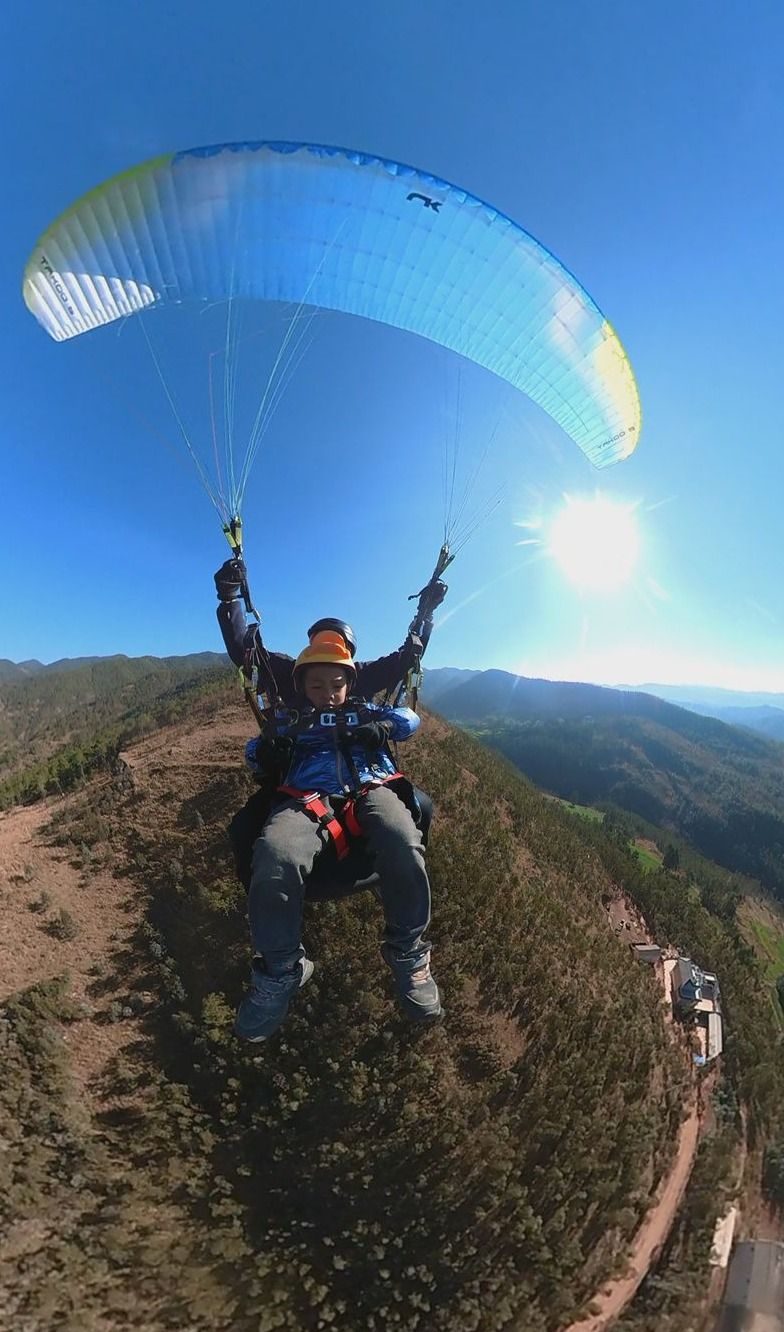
x,y
284,855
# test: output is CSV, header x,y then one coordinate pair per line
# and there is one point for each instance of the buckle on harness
x,y
335,719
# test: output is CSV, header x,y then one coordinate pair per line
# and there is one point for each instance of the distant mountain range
x,y
719,786
763,712
477,695
25,670
707,696
758,711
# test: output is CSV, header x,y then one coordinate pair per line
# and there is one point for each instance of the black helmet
x,y
338,627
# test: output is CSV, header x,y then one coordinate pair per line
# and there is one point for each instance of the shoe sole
x,y
421,1018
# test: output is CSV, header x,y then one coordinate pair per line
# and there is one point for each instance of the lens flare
x,y
595,542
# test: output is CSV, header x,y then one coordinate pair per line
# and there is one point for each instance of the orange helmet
x,y
327,648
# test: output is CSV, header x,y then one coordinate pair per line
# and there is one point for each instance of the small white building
x,y
723,1236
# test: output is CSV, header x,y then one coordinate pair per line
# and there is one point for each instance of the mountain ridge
x,y
719,786
762,712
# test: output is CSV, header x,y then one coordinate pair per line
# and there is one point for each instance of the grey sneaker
x,y
417,991
266,1004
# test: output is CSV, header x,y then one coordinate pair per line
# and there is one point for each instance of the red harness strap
x,y
350,820
315,805
339,829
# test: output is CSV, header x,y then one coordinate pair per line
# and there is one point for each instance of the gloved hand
x,y
229,579
435,595
373,735
269,758
280,752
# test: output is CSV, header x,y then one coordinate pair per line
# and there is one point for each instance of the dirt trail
x,y
612,1299
102,902
104,915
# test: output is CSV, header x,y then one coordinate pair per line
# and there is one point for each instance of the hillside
x,y
357,1172
58,721
354,1171
718,786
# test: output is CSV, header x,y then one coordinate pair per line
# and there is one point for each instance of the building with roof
x,y
696,995
754,1293
694,990
645,952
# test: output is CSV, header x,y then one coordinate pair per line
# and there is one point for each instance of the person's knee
x,y
398,836
271,862
385,814
400,858
273,883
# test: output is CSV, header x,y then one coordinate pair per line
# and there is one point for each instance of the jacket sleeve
x,y
404,721
234,627
241,637
376,677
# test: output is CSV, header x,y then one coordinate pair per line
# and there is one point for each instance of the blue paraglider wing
x,y
346,231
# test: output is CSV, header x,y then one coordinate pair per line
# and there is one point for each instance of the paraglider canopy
x,y
332,228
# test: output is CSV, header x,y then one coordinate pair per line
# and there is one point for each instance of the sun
x,y
595,542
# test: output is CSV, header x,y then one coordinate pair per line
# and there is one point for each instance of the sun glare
x,y
595,542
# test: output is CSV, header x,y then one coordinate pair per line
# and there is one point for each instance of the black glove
x,y
373,735
230,578
273,757
435,595
283,748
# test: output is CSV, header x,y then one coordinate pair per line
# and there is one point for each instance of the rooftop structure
x,y
754,1294
723,1236
695,993
694,989
645,952
715,1035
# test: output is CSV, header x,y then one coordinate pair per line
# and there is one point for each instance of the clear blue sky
x,y
640,143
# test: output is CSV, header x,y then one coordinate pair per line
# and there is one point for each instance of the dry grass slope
x,y
354,1172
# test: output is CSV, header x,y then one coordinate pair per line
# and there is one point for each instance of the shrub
x,y
63,926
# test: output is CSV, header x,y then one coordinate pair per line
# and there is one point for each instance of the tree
x,y
671,859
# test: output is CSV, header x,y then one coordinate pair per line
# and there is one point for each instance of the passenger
x,y
338,770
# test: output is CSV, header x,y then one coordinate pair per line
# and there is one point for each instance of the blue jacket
x,y
317,763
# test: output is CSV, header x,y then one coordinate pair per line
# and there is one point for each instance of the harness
x,y
344,824
339,827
